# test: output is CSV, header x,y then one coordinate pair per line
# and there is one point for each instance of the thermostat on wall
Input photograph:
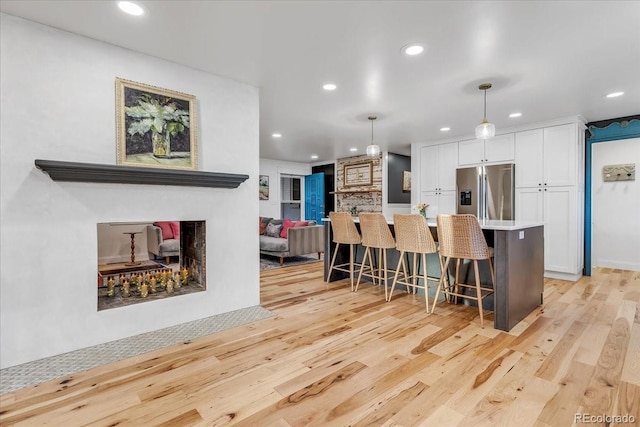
x,y
619,172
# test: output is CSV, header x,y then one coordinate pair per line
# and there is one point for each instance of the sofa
x,y
290,238
163,240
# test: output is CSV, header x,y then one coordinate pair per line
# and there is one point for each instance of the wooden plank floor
x,y
333,357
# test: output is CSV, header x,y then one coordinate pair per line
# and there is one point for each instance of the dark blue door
x,y
314,197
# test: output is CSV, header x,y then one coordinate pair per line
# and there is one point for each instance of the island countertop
x,y
485,224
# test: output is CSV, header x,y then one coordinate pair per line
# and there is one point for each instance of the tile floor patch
x,y
39,371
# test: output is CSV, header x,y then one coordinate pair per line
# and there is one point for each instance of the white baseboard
x,y
121,258
562,276
619,265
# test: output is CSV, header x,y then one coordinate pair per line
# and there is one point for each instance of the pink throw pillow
x,y
175,227
167,232
286,225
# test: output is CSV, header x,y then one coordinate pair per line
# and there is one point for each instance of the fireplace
x,y
150,260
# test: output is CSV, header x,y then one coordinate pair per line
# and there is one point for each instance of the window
x,y
290,203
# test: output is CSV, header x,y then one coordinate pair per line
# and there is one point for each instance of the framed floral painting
x,y
263,187
156,127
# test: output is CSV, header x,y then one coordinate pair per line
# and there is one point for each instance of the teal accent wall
x,y
602,131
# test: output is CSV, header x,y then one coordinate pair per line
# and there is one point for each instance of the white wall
x,y
274,168
615,207
58,102
114,244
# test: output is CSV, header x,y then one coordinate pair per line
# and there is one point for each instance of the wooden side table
x,y
133,248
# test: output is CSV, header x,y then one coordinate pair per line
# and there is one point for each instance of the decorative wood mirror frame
x,y
358,174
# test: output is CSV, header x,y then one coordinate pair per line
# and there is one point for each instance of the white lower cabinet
x,y
559,210
556,206
440,202
529,204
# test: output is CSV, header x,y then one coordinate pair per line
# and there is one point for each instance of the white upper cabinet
x,y
471,152
500,148
438,165
448,165
546,157
560,155
529,158
429,168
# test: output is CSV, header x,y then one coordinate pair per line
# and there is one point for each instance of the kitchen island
x,y
518,262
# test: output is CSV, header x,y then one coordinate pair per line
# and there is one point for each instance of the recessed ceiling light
x,y
131,8
314,156
329,86
413,49
614,94
276,135
445,129
514,115
353,149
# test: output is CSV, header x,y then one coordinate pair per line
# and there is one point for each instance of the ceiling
x,y
545,59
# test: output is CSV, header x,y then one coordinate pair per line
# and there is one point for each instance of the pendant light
x,y
372,149
485,130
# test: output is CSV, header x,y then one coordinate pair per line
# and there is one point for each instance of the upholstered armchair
x,y
161,241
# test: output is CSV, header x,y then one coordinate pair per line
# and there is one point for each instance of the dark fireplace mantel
x,y
112,174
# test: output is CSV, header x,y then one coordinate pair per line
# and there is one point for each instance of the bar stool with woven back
x,y
375,235
413,236
344,233
460,237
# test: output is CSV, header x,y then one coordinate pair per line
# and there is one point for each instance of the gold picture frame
x,y
156,127
358,174
406,180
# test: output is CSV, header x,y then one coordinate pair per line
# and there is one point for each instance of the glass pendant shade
x,y
485,130
373,150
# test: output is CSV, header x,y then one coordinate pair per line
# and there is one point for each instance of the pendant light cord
x,y
485,106
371,132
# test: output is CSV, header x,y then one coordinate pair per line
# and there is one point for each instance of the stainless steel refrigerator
x,y
486,191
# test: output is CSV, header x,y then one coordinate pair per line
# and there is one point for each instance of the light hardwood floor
x,y
333,357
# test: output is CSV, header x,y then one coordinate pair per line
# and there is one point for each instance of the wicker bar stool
x,y
460,237
375,235
413,236
344,233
